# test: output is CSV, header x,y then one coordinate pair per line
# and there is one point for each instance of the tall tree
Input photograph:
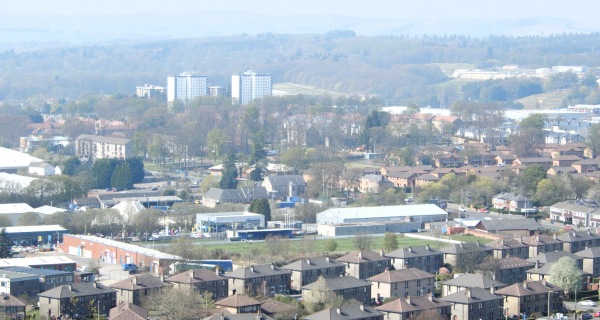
x,y
363,242
261,206
121,177
5,245
593,139
566,274
230,173
390,241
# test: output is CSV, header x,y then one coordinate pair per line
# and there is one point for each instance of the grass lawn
x,y
344,244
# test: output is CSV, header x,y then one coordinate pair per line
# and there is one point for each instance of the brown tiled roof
x,y
412,304
514,262
128,311
144,281
237,301
273,306
506,243
471,280
528,288
256,271
392,276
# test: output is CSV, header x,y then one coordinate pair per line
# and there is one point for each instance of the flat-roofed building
x,y
416,212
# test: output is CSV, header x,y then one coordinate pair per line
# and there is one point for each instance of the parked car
x,y
153,238
462,209
587,303
129,266
567,227
484,210
586,316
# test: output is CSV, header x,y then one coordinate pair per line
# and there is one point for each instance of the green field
x,y
292,88
344,244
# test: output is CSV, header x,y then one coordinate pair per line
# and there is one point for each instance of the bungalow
x,y
510,227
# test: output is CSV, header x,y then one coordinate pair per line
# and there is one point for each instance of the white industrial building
x,y
415,212
221,221
186,86
249,85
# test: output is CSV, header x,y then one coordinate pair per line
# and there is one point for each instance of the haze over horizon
x,y
83,22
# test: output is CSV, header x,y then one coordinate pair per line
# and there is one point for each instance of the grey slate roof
x,y
421,303
195,276
412,252
477,295
577,236
36,271
241,194
547,257
139,282
338,283
545,270
509,224
592,252
473,280
239,316
256,271
347,312
506,243
514,262
465,247
528,288
8,300
312,264
362,256
285,180
76,289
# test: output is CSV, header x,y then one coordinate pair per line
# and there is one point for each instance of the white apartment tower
x,y
249,85
186,86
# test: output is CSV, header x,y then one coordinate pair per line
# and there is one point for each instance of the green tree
x,y
136,165
330,245
258,156
230,173
261,206
390,241
363,242
102,172
5,245
530,177
121,177
593,139
566,274
546,192
71,165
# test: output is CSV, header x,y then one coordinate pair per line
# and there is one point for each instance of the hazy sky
x,y
82,20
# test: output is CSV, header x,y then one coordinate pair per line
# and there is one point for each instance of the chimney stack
x,y
217,271
251,268
410,249
308,261
427,247
360,255
134,281
327,259
191,274
381,253
408,300
468,292
272,266
339,310
430,296
525,286
492,289
537,264
362,307
478,243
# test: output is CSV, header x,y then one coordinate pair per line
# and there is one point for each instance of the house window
x,y
406,284
491,315
418,283
481,305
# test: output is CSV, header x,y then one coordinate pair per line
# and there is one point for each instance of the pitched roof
x,y
139,282
509,224
361,256
514,262
506,243
127,311
312,264
577,236
236,301
473,280
76,289
528,288
347,312
195,276
392,276
546,257
540,239
471,295
239,316
545,270
256,271
8,300
464,247
413,304
273,306
242,194
336,283
285,180
103,139
590,252
412,252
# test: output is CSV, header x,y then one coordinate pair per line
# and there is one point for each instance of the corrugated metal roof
x,y
48,228
385,211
